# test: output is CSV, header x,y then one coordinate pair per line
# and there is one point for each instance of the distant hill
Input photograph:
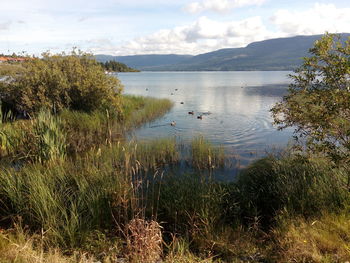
x,y
144,61
272,54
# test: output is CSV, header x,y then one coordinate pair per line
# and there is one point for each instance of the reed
x,y
10,138
205,155
72,132
139,110
85,189
50,137
96,197
291,185
144,241
69,198
86,130
9,134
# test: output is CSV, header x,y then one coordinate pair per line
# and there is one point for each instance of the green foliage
x,y
205,155
325,239
7,69
292,185
86,130
51,140
56,82
69,199
318,102
139,110
115,66
41,139
73,132
191,205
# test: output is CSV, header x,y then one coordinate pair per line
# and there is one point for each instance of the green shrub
x,y
294,185
57,82
190,204
318,101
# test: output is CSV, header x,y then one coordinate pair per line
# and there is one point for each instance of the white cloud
x,y
125,27
219,5
5,25
203,35
321,18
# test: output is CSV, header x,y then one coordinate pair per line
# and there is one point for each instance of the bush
x,y
293,185
318,102
191,205
57,82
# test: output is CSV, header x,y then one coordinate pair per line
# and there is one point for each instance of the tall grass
x,y
86,130
190,206
322,239
290,186
17,245
41,139
10,138
63,202
139,110
114,198
70,198
205,155
9,134
47,136
92,199
50,137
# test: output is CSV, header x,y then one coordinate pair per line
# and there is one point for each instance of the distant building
x,y
11,59
3,59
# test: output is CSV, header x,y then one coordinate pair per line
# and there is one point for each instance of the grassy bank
x,y
79,131
287,209
73,190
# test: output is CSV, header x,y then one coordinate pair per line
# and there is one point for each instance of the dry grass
x,y
326,239
144,241
17,246
179,252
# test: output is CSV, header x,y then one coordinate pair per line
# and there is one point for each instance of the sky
x,y
130,27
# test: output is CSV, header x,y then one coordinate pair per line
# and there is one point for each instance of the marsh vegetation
x,y
74,189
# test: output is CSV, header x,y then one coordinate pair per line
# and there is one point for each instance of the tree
x,y
55,82
318,102
117,67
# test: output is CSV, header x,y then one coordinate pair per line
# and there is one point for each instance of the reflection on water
x,y
238,103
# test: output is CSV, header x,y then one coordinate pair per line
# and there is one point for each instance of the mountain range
x,y
271,54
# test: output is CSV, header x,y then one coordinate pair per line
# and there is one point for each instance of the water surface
x,y
235,108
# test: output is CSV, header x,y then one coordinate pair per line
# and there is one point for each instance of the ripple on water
x,y
239,118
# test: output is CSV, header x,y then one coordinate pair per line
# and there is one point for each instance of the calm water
x,y
235,108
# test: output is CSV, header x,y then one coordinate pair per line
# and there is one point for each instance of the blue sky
x,y
126,27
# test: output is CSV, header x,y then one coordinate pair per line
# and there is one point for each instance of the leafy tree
x,y
74,81
117,67
318,102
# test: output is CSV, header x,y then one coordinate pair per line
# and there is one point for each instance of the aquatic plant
x,y
205,155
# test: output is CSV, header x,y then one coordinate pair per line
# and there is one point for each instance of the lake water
x,y
235,108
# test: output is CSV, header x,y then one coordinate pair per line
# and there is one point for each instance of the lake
x,y
234,105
